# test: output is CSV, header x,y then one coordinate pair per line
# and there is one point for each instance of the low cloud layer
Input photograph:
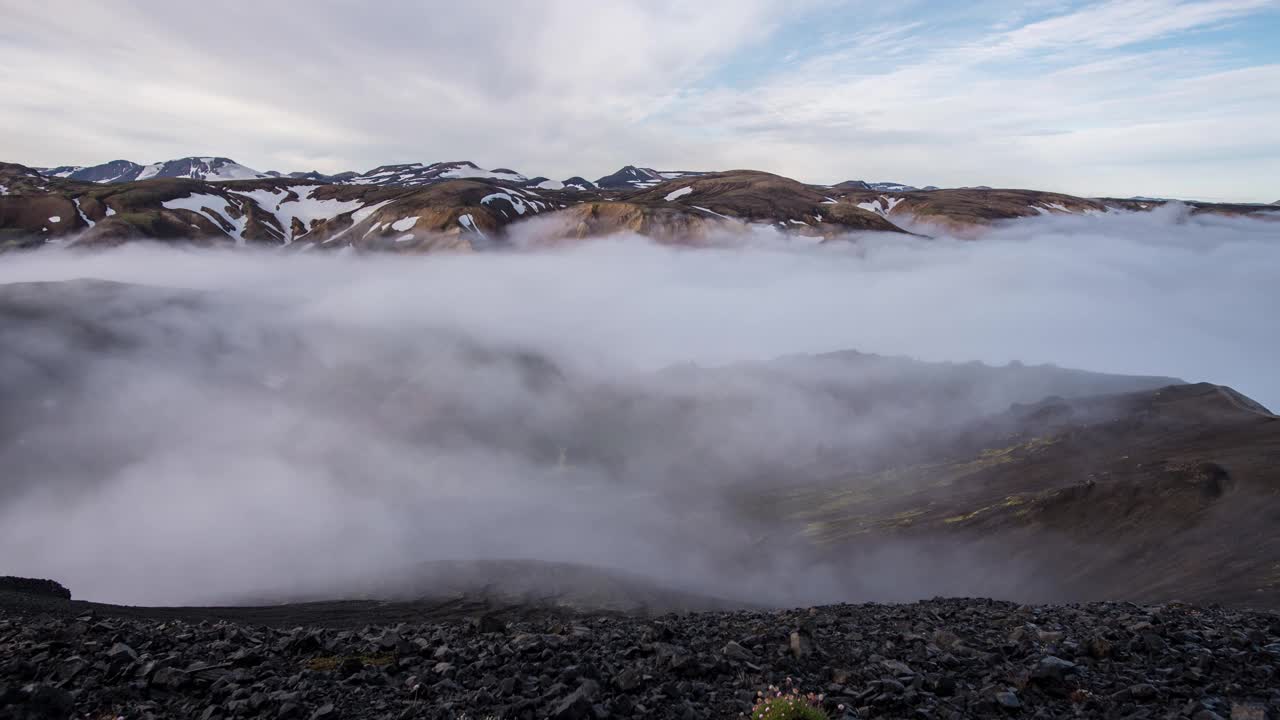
x,y
306,424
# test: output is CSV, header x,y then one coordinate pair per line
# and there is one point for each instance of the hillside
x,y
452,206
1075,485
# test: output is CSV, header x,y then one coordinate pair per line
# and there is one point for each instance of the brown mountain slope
x,y
476,212
1149,496
689,210
967,210
271,213
759,197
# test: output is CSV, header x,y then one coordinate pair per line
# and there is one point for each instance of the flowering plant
x,y
787,703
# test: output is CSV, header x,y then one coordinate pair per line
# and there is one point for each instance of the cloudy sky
x,y
1176,98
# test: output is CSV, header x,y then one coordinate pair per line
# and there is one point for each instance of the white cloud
x,y
1103,98
1024,108
549,87
1117,23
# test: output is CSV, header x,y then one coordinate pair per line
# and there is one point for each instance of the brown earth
x,y
470,214
1161,495
758,197
964,211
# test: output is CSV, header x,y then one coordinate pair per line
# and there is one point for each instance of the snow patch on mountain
x,y
631,176
517,203
469,223
210,169
216,209
85,218
150,171
882,205
360,215
300,205
711,212
464,172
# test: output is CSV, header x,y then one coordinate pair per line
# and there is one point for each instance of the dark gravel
x,y
934,659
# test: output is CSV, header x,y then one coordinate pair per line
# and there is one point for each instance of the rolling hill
x,y
459,206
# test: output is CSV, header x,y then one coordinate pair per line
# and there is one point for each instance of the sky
x,y
1169,98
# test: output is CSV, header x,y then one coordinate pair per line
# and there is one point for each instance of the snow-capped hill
x,y
580,184
673,174
62,171
543,183
118,171
18,180
640,178
630,177
315,175
418,174
574,183
211,169
880,186
108,172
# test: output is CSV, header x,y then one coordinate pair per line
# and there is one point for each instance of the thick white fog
x,y
306,423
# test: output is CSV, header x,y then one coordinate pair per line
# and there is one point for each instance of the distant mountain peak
x,y
631,177
411,174
881,186
200,168
196,167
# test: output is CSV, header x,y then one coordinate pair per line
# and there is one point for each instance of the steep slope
x,y
1150,496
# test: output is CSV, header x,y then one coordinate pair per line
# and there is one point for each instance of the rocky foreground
x,y
934,659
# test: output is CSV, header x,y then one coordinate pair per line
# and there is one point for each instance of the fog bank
x,y
300,423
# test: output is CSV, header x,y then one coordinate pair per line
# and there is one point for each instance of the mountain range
x,y
458,205
216,169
